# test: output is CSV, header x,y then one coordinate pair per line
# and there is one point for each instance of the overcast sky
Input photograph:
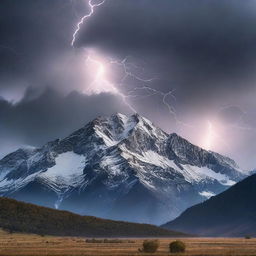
x,y
202,51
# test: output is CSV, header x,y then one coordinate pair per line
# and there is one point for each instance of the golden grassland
x,y
35,245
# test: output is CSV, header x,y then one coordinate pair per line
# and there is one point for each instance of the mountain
x,y
231,213
29,218
251,172
118,167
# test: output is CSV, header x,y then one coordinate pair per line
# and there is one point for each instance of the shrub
x,y
177,246
247,237
150,246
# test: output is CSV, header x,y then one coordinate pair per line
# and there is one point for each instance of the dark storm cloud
x,y
35,121
33,34
39,67
205,47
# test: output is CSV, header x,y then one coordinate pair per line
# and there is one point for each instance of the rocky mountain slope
x,y
231,213
29,218
118,167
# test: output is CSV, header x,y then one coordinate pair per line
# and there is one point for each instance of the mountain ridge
x,y
97,168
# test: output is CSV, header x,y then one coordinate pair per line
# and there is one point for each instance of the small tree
x,y
177,247
150,246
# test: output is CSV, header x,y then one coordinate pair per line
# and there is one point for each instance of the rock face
x,y
118,167
231,213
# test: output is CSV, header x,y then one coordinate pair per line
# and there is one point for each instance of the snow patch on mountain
x,y
196,174
207,194
153,158
192,174
66,173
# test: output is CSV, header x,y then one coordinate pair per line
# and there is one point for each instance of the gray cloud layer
x,y
204,49
50,116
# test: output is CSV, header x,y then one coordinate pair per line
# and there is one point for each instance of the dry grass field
x,y
34,245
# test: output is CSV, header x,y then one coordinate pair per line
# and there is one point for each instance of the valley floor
x,y
34,245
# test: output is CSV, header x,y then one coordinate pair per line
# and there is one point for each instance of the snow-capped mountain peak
x,y
114,164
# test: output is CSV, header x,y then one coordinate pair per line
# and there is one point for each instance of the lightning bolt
x,y
101,84
127,73
99,80
84,18
149,90
126,66
210,136
100,73
153,92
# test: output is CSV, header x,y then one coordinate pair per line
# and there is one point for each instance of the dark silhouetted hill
x,y
231,213
29,218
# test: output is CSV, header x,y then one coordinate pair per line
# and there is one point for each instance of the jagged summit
x,y
120,167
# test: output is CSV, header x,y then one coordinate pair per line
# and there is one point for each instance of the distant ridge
x,y
29,218
231,213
